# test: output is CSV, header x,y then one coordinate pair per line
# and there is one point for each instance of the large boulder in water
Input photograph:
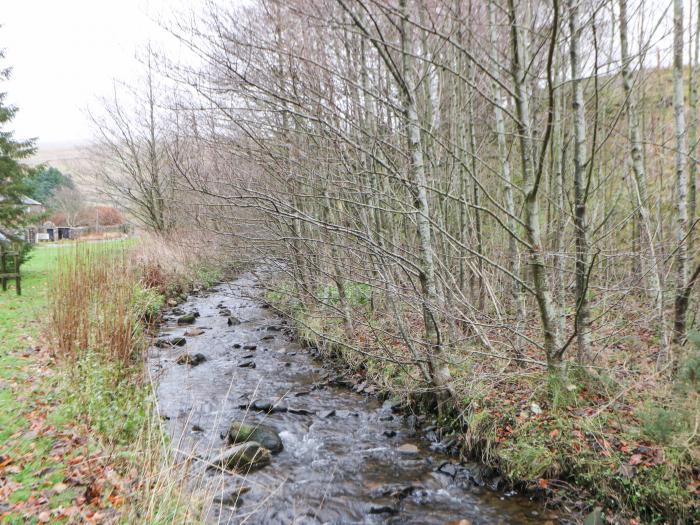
x,y
170,342
266,436
191,359
186,319
244,457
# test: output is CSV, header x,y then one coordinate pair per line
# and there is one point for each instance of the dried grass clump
x,y
177,263
92,303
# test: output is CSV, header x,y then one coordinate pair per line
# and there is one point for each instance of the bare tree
x,y
68,202
133,159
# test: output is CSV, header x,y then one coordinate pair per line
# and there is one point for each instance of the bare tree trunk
x,y
531,180
583,329
439,370
694,71
655,270
513,252
681,305
559,199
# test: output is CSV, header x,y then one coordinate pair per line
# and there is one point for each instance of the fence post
x,y
18,278
3,269
5,275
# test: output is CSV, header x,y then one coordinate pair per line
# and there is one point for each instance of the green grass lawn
x,y
21,317
44,452
30,420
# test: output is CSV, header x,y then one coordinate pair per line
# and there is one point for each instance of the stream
x,y
348,458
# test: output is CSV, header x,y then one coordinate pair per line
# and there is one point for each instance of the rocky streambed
x,y
275,440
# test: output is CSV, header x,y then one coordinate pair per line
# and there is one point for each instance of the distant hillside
x,y
71,159
65,157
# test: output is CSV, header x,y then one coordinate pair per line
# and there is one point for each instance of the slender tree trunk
x,y
681,306
513,252
559,199
693,132
481,288
655,270
439,370
543,294
583,329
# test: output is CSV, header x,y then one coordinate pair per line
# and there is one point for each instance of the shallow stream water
x,y
342,462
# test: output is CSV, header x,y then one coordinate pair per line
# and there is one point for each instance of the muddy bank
x,y
344,458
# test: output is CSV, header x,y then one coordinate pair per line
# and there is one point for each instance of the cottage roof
x,y
24,200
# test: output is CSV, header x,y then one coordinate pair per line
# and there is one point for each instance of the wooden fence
x,y
9,269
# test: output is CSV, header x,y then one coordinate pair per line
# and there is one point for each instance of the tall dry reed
x,y
91,298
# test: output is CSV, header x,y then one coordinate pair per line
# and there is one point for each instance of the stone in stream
x,y
390,433
194,332
248,356
246,364
250,347
392,404
171,341
301,411
274,328
260,405
382,509
225,312
394,490
268,337
193,360
178,311
186,319
246,456
408,450
266,436
237,345
449,469
233,497
232,320
229,500
327,413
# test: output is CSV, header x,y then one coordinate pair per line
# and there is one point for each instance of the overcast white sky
x,y
65,53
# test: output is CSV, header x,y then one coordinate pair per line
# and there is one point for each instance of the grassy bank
x,y
621,437
80,439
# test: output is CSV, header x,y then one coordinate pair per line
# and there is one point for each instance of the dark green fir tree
x,y
14,175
